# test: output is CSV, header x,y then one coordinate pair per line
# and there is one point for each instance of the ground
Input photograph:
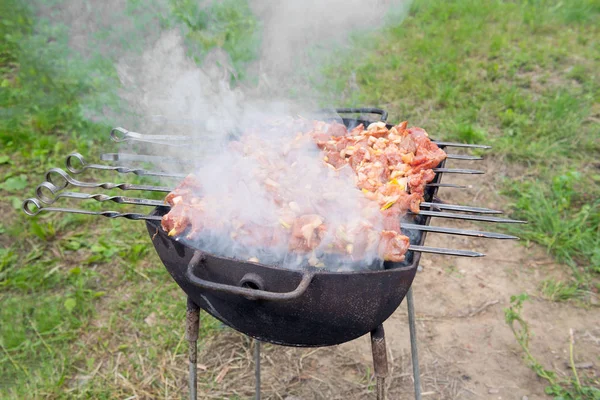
x,y
88,311
466,349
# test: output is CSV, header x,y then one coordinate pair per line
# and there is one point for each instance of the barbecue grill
x,y
306,308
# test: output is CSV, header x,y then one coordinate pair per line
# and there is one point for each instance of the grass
x,y
67,275
521,76
564,217
229,25
82,298
561,388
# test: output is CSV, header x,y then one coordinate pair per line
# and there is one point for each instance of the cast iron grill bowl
x,y
310,307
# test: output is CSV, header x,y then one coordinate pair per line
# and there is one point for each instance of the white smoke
x,y
200,101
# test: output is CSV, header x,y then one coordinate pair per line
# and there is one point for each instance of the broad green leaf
x,y
14,183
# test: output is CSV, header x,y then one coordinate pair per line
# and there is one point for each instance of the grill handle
x,y
254,294
364,110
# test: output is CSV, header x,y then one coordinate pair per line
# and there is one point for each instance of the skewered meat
x,y
390,166
393,245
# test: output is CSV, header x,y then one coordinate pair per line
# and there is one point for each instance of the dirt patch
x,y
466,349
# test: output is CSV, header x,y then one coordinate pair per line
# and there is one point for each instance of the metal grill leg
x,y
413,343
257,368
380,364
191,334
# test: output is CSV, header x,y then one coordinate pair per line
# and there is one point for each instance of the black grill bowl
x,y
336,307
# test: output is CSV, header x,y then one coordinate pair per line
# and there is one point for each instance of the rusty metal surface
x,y
335,307
192,316
380,363
192,329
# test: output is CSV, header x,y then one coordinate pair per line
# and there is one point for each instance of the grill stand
x,y
412,327
378,347
192,328
257,369
380,364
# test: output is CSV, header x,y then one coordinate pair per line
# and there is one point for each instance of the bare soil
x,y
466,349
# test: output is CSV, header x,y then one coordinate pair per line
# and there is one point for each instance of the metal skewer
x,y
455,231
61,179
444,206
123,170
44,187
463,157
66,180
448,185
469,217
33,207
142,158
172,160
458,171
120,135
56,194
447,252
465,145
156,203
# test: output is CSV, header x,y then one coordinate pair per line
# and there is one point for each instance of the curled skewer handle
x,y
120,135
60,179
46,187
83,165
32,207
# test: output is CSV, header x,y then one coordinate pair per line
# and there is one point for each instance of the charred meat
x,y
389,167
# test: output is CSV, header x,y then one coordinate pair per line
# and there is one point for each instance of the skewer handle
x,y
61,180
120,135
74,159
32,207
47,193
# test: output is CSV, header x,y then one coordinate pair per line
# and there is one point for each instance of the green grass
x,y
522,76
61,274
559,386
80,295
565,218
229,25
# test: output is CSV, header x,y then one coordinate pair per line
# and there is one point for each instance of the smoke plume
x,y
167,91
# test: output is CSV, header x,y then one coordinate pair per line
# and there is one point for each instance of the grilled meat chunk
x,y
390,166
393,246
